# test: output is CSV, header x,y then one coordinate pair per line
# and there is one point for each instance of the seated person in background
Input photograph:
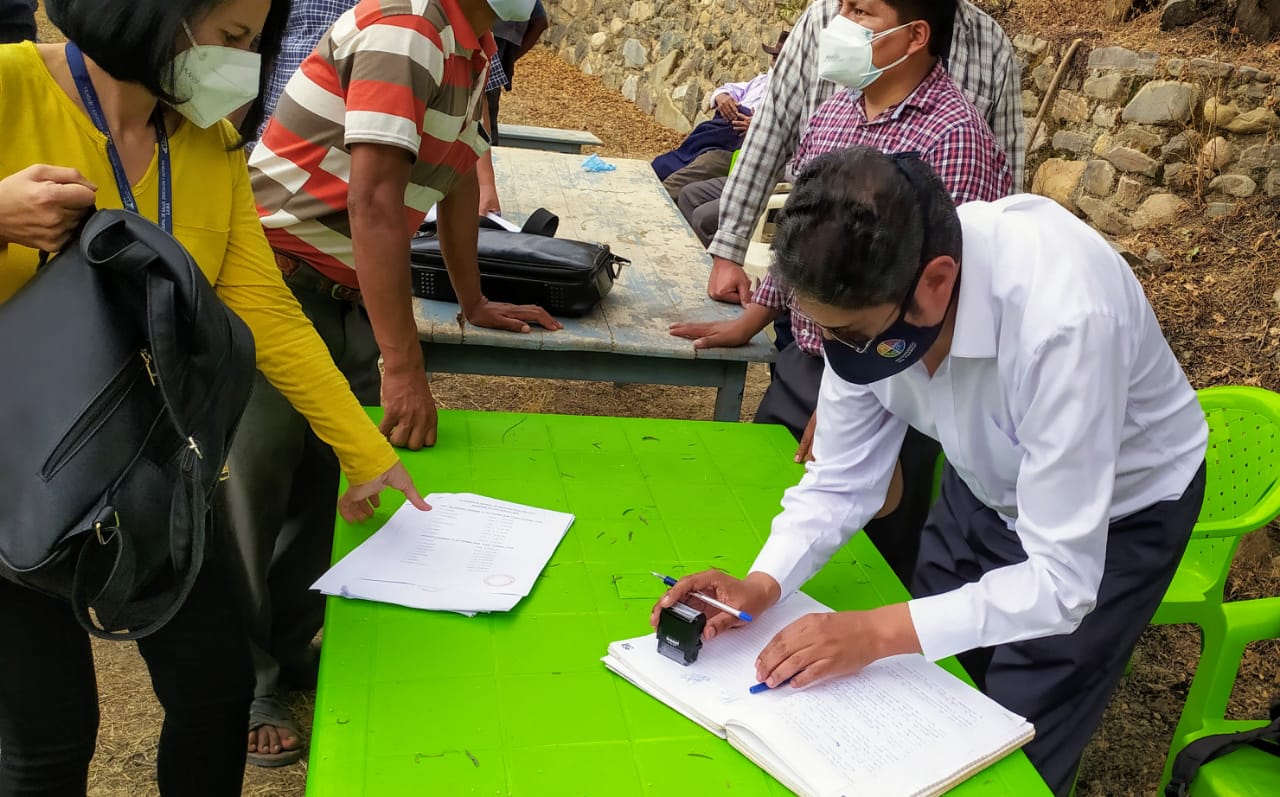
x,y
913,106
1013,333
706,152
979,57
343,176
308,21
17,21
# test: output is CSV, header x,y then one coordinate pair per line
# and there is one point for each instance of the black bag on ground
x,y
1208,748
567,278
126,377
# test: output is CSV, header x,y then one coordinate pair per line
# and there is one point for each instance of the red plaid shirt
x,y
937,121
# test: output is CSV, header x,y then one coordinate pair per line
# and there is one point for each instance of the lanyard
x,y
75,60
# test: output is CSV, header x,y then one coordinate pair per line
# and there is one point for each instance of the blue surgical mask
x,y
844,53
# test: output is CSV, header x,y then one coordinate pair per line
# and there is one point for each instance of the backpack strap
x,y
1209,748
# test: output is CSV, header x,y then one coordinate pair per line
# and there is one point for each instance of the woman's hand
x,y
41,205
357,504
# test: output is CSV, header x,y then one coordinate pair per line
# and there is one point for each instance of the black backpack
x,y
125,379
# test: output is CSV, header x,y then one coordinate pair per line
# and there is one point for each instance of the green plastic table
x,y
429,703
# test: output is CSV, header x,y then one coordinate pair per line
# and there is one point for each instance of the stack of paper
x,y
468,554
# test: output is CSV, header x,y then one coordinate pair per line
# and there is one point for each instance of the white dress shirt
x,y
1060,405
749,93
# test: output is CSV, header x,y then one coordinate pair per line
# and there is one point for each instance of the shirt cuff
x,y
785,558
729,246
946,623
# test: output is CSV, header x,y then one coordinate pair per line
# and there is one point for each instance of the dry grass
x,y
1214,302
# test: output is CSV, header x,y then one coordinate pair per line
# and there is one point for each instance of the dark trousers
x,y
791,399
199,665
699,203
709,165
278,506
1060,683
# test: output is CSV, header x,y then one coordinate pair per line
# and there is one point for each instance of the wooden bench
x,y
546,138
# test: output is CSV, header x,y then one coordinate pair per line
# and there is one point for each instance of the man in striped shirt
x,y
980,59
377,125
922,111
308,21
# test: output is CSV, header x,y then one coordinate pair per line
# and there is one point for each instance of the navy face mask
x,y
891,352
901,345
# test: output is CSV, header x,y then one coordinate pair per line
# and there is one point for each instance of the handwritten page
x,y
897,727
903,726
469,553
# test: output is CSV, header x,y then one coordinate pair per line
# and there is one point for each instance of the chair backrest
x,y
1242,491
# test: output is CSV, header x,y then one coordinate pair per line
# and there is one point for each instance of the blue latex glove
x,y
595,164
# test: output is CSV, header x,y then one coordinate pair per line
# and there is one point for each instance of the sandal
x,y
270,711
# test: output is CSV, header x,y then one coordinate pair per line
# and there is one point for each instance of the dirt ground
x,y
1214,300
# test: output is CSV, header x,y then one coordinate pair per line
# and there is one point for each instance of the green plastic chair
x,y
733,161
1247,772
1242,493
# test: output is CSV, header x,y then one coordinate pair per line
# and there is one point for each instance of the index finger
x,y
60,174
70,195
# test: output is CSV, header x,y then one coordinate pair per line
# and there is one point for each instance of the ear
x,y
933,292
920,34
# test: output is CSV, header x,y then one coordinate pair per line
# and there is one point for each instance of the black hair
x,y
135,41
852,233
940,14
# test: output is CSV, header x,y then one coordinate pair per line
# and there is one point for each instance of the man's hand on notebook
x,y
831,644
753,594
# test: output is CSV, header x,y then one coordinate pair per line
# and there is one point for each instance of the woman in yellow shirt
x,y
158,72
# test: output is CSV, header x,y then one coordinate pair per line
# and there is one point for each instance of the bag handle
x,y
117,588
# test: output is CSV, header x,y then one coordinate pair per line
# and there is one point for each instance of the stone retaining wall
x,y
666,55
1130,135
1134,133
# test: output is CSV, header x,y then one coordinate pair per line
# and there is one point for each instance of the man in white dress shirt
x,y
1013,334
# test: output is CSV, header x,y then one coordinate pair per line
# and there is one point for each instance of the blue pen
x,y
724,607
764,687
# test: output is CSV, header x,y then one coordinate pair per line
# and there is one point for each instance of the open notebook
x,y
903,726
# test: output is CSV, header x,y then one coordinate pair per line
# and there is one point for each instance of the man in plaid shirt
x,y
980,58
923,111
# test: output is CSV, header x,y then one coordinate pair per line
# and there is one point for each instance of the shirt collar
x,y
463,33
975,332
923,97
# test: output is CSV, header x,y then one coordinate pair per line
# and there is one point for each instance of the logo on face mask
x,y
892,349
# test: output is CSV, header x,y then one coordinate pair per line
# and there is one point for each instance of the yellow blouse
x,y
216,219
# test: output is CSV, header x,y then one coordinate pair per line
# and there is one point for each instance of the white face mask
x,y
844,53
216,80
513,10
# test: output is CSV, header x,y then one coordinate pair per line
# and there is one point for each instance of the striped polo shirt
x,y
402,73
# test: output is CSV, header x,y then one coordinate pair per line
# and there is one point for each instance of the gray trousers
x,y
280,499
700,204
1060,683
708,165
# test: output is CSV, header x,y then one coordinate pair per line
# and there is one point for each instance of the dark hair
x,y
852,233
940,14
136,40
